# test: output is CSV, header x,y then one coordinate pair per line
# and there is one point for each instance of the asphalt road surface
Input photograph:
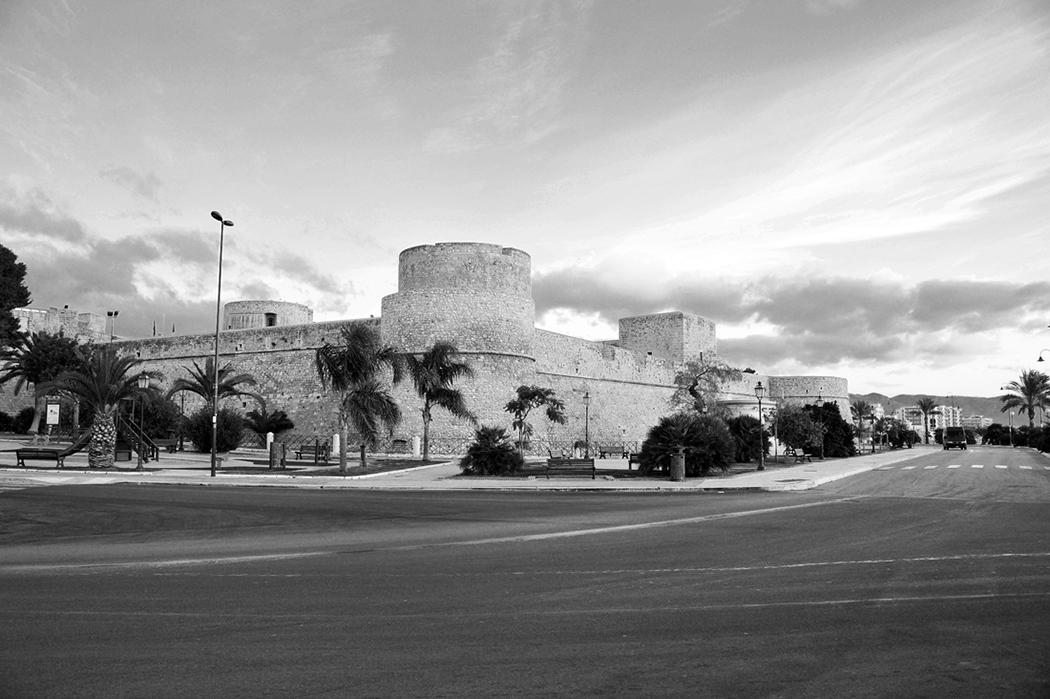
x,y
930,578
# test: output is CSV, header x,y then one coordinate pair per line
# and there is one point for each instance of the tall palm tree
x,y
36,359
927,406
862,410
103,380
433,372
1030,392
356,368
202,383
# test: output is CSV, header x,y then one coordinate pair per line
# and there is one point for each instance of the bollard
x,y
415,445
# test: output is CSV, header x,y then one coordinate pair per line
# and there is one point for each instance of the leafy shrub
x,y
228,433
744,429
708,444
5,421
491,454
23,421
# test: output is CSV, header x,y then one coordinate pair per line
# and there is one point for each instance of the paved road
x,y
921,580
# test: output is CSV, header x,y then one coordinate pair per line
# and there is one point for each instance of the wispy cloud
x,y
145,186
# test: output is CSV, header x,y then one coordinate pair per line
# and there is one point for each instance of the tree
x,y
433,372
102,381
861,410
927,406
13,294
36,359
700,381
837,439
1031,391
705,439
263,422
745,431
796,429
355,368
202,383
529,398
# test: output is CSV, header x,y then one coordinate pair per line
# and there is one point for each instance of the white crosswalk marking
x,y
1000,465
954,465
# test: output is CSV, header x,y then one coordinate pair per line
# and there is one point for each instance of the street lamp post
x,y
587,425
143,382
820,413
218,314
1041,355
760,391
112,315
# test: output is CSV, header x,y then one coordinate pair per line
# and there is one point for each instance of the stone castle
x,y
478,296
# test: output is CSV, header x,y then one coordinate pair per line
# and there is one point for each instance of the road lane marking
x,y
1027,468
87,568
954,465
885,468
977,466
907,468
1000,465
927,468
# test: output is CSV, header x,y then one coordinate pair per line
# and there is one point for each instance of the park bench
x,y
169,445
798,457
612,452
567,464
633,459
50,453
318,452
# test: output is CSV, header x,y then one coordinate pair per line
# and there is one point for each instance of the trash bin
x,y
678,464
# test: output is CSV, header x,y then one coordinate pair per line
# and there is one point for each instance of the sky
x,y
858,188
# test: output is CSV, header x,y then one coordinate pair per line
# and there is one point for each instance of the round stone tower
x,y
240,315
479,297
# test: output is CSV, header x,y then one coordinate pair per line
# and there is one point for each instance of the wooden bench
x,y
169,445
633,459
315,451
799,458
571,465
612,452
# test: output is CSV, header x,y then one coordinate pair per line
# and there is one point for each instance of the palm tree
x,y
356,368
862,410
202,383
36,359
927,406
433,372
528,398
1030,392
262,422
102,381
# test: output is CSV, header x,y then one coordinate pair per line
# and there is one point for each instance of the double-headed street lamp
x,y
218,314
760,391
112,315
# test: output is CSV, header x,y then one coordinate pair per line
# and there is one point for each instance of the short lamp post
x,y
871,417
587,425
143,382
218,314
760,391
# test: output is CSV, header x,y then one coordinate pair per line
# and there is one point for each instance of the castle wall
x,y
241,315
677,337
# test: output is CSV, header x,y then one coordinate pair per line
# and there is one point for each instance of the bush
x,y
744,429
838,434
5,421
706,439
23,421
228,434
491,454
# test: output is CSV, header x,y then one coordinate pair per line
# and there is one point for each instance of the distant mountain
x,y
970,405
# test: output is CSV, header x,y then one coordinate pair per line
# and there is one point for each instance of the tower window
x,y
271,320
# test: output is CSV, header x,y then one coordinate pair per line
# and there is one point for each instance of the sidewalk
x,y
185,468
